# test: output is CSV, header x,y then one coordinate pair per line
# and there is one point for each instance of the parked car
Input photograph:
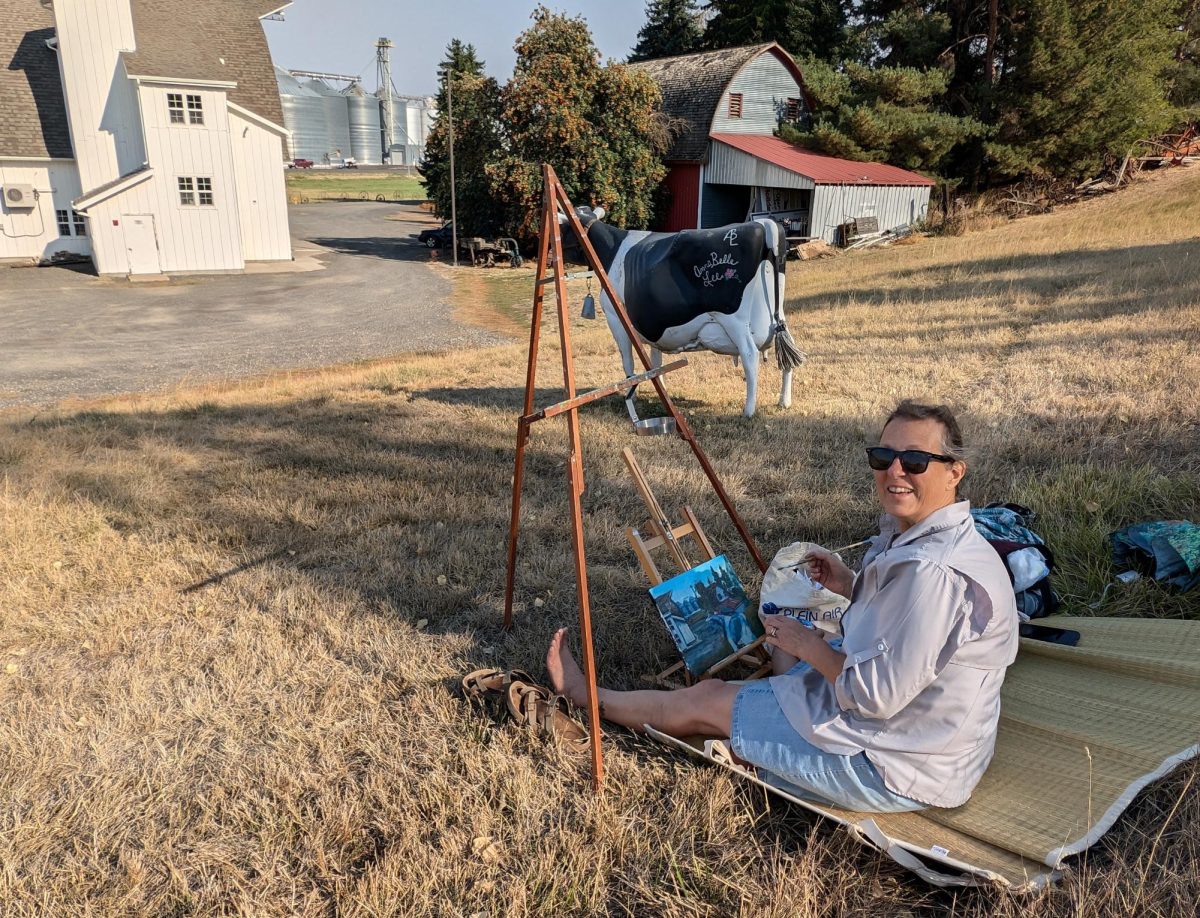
x,y
300,164
437,238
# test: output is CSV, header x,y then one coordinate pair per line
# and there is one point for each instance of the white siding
x,y
893,205
261,196
730,166
766,85
33,234
101,100
191,238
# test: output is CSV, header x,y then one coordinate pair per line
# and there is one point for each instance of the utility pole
x,y
449,74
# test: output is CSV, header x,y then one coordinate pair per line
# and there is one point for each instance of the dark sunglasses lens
x,y
880,458
914,461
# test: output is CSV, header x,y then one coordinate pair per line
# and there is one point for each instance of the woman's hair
x,y
952,439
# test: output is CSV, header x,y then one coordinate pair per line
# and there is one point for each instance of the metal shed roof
x,y
821,170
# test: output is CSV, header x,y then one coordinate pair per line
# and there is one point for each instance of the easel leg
x,y
514,523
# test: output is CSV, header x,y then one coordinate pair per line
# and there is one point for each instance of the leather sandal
x,y
538,707
488,685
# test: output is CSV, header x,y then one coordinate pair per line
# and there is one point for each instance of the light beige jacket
x,y
931,627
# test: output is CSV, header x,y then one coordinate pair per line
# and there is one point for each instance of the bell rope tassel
x,y
787,355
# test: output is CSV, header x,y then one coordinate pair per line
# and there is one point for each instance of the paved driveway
x,y
64,333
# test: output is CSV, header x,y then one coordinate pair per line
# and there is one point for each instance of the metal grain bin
x,y
364,123
337,121
305,116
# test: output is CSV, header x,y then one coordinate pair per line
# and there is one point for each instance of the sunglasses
x,y
913,461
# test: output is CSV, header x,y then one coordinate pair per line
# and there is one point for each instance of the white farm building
x,y
144,133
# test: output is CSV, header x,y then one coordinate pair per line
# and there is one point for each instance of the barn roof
x,y
692,86
209,40
822,170
34,120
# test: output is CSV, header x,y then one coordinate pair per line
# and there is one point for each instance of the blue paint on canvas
x,y
708,613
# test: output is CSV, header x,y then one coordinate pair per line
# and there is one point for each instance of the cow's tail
x,y
787,355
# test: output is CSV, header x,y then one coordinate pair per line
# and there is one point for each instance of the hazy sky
x,y
340,36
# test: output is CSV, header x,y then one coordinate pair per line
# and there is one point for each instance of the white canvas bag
x,y
794,593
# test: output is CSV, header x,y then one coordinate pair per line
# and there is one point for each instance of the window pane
x,y
64,225
204,189
80,223
187,194
195,109
175,107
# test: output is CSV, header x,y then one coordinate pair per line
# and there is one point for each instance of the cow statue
x,y
716,289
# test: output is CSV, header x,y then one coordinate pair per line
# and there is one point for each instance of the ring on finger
x,y
774,632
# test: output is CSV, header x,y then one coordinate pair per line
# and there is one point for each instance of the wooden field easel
x,y
550,256
665,534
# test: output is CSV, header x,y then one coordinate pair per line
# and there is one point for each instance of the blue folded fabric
x,y
1167,550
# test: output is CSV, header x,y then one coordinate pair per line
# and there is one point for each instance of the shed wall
x,y
261,195
765,85
723,204
729,166
893,205
33,234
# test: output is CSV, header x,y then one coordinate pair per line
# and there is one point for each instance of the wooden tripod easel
x,y
550,255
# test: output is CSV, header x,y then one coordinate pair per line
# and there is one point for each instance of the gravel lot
x,y
68,334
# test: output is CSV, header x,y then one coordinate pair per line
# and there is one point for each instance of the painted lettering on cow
x,y
731,236
717,269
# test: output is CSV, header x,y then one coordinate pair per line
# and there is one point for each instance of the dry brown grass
x,y
227,670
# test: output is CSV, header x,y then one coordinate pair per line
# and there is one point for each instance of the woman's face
x,y
908,497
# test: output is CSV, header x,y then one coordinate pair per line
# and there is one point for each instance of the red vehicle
x,y
300,164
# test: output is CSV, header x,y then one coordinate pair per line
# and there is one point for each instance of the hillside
x,y
232,620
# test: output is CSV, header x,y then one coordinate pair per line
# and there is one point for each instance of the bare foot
x,y
565,674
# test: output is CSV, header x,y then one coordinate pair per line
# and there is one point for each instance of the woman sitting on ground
x,y
901,712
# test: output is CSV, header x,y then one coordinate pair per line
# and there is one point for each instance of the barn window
x,y
735,105
204,190
80,222
195,107
64,222
175,107
187,191
792,110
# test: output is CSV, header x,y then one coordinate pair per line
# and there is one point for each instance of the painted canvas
x,y
708,613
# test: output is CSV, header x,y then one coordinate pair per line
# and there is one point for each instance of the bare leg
x,y
703,708
781,662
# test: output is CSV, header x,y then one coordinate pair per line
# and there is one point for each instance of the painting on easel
x,y
708,613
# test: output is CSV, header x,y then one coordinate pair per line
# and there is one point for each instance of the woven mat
x,y
1082,730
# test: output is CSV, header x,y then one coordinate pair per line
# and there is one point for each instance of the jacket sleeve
x,y
914,622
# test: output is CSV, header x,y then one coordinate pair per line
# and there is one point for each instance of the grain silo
x,y
304,114
364,123
337,121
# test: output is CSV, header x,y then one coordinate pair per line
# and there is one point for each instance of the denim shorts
x,y
784,759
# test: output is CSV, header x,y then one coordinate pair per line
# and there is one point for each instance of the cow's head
x,y
572,249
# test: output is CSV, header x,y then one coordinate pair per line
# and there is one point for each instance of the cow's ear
x,y
599,212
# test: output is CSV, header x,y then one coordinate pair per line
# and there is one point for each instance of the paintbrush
x,y
836,551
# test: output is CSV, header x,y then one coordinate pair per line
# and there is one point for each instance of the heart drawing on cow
x,y
718,290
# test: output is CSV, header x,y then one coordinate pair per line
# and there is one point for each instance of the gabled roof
x,y
33,116
692,86
822,170
210,41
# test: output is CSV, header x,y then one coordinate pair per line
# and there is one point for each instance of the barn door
x,y
141,245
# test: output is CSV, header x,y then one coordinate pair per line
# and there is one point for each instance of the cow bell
x,y
589,307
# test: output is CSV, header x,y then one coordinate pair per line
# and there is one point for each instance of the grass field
x,y
232,620
355,184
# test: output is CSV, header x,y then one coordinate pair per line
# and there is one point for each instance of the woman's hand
x,y
828,570
804,643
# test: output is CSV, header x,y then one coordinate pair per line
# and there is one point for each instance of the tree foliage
x,y
672,27
599,126
806,28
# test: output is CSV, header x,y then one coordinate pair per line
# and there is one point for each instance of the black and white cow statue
x,y
720,290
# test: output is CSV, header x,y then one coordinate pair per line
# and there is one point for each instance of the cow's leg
x,y
655,357
785,389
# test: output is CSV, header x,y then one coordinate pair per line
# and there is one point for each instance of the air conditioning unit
x,y
20,197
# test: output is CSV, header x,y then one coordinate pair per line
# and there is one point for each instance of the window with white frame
x,y
195,109
196,190
64,222
175,107
204,190
80,223
187,191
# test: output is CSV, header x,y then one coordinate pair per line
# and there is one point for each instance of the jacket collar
x,y
948,517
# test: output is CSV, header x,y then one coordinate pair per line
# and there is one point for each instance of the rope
x,y
787,355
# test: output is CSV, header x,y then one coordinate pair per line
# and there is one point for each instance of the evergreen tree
x,y
1185,76
1088,79
672,27
477,137
807,28
882,114
600,128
